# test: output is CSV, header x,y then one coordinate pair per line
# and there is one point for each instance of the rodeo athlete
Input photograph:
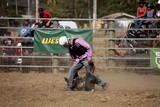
x,y
81,52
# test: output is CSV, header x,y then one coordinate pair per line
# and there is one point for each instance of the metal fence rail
x,y
101,47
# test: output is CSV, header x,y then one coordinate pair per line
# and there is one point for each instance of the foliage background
x,y
74,8
84,8
69,8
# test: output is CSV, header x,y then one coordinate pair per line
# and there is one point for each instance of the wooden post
x,y
54,64
111,34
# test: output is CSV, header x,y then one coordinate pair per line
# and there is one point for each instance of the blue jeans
x,y
138,23
77,66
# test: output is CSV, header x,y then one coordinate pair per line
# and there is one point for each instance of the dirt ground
x,y
47,90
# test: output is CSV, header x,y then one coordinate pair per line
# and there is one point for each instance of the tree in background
x,y
75,8
67,8
3,8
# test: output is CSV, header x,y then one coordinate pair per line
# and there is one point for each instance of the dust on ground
x,y
47,90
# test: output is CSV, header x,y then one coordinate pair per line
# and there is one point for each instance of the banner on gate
x,y
48,40
155,59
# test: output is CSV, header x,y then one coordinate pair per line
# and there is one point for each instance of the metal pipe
x,y
37,3
94,14
28,7
16,8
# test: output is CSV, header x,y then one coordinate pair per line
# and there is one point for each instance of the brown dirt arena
x,y
127,89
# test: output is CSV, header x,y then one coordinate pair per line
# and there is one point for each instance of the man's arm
x,y
28,31
49,16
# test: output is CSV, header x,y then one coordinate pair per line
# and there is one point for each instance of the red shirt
x,y
141,11
45,14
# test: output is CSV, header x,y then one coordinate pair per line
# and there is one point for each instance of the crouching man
x,y
81,53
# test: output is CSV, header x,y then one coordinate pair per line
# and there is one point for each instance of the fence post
x,y
54,64
111,43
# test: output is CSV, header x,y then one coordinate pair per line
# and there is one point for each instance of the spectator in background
x,y
25,31
156,43
44,14
118,51
7,41
158,9
141,12
85,26
151,14
158,14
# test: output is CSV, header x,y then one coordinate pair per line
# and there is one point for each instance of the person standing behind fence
x,y
119,51
81,53
141,12
44,14
158,13
24,31
7,41
158,10
156,43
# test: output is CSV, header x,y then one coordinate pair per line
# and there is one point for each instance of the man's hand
x,y
47,24
89,60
